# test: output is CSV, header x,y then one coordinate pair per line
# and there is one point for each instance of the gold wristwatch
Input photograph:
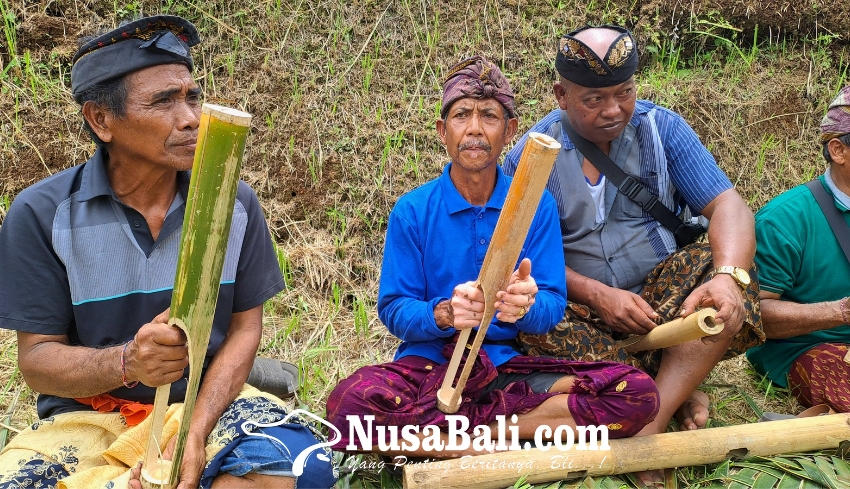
x,y
738,274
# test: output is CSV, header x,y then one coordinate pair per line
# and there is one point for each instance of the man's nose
x,y
475,125
189,115
611,109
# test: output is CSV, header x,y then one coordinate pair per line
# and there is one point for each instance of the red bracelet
x,y
128,385
844,310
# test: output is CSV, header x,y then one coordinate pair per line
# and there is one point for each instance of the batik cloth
x,y
478,78
90,450
583,336
404,393
822,376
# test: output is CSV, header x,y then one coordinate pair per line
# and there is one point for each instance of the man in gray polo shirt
x,y
88,259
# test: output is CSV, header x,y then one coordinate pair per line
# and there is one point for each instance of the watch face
x,y
742,276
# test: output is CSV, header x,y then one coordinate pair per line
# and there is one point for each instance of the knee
x,y
618,396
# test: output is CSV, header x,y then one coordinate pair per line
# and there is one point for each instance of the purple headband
x,y
836,122
477,78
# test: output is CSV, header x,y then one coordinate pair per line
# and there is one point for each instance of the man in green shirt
x,y
805,280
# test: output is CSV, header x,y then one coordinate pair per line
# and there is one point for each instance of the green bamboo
x,y
222,135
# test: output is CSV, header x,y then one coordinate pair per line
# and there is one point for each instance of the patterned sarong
x,y
404,392
822,376
91,450
582,335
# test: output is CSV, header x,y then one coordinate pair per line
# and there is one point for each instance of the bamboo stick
x,y
535,165
696,325
222,135
653,452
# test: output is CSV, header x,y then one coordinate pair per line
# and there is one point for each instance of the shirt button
x,y
610,259
481,216
482,241
136,223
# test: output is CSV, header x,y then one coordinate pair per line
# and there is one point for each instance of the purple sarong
x,y
404,392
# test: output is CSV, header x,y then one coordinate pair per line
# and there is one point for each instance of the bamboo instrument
x,y
521,203
222,135
653,452
694,326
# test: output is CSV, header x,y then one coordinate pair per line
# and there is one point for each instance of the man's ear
x,y
99,119
441,130
838,152
510,130
560,92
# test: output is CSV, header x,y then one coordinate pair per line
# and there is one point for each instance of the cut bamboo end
x,y
445,396
707,324
158,475
227,114
544,140
681,330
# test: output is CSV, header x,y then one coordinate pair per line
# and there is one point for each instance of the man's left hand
x,y
194,461
515,302
723,294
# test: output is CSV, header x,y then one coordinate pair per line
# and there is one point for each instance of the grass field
x,y
344,97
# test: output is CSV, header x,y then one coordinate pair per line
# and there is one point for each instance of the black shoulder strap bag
x,y
685,232
833,216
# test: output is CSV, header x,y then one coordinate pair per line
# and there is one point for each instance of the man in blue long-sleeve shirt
x,y
437,238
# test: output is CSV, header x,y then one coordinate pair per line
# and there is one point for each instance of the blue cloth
x,y
437,240
273,453
76,261
666,156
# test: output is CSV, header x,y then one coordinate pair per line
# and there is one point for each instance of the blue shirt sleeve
x,y
693,169
401,296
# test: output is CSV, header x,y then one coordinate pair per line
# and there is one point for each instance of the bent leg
x,y
60,448
269,457
682,370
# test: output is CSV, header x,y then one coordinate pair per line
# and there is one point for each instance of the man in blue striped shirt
x,y
611,244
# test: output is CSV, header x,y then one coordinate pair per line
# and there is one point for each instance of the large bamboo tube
x,y
222,135
696,325
535,165
678,449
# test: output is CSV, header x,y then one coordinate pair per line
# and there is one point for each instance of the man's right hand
x,y
158,354
625,311
464,310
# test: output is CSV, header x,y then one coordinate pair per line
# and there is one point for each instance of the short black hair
x,y
110,94
845,140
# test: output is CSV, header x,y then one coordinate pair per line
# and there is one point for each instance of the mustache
x,y
475,144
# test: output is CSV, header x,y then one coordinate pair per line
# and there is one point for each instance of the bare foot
x,y
693,413
651,478
656,479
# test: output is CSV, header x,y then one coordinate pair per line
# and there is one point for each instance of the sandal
x,y
819,410
274,376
